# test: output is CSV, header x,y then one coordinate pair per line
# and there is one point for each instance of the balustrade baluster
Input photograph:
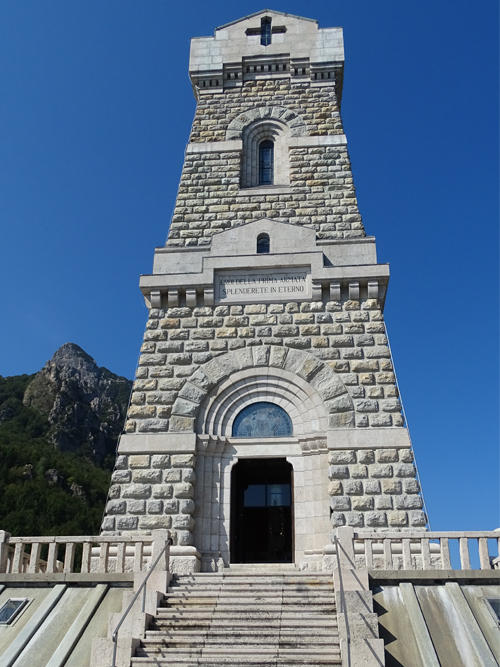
x,y
17,561
120,557
387,553
69,557
87,548
426,553
36,548
464,553
368,553
103,556
139,546
52,558
445,554
484,556
407,564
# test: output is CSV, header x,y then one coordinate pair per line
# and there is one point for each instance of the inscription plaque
x,y
264,285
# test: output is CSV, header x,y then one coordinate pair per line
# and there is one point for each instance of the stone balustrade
x,y
419,550
82,554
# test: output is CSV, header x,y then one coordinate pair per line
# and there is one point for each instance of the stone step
x,y
243,652
193,615
247,661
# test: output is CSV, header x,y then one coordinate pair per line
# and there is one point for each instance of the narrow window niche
x,y
265,31
266,162
11,609
263,244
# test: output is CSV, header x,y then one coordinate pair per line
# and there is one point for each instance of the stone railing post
x,y
345,537
4,550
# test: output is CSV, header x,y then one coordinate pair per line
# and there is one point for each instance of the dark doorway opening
x,y
261,511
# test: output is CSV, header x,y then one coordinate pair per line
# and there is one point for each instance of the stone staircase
x,y
245,617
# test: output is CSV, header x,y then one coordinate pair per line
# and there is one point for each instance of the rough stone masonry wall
x,y
321,194
368,488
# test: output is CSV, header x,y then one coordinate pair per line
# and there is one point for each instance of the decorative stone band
x,y
207,296
234,145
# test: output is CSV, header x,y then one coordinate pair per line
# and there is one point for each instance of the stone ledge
x,y
389,577
44,578
383,438
215,146
320,140
157,443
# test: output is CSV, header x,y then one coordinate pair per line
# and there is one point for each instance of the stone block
x,y
397,518
335,488
383,502
127,523
160,461
186,506
108,523
413,502
353,487
359,471
137,491
141,411
152,359
183,490
161,398
170,506
153,426
404,470
201,380
182,460
377,352
376,519
387,455
355,519
183,522
405,456
381,470
366,456
376,392
364,340
380,420
172,475
367,379
155,522
417,519
178,423
192,393
365,366
188,475
146,476
342,456
362,503
367,405
121,462
411,486
184,538
372,486
340,503
170,346
184,408
155,507
354,353
337,519
121,476
391,405
136,507
172,384
342,341
139,461
114,491
341,420
392,486
116,507
338,472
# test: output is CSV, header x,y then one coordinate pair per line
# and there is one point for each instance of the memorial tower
x,y
265,411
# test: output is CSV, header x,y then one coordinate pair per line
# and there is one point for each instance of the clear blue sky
x,y
95,112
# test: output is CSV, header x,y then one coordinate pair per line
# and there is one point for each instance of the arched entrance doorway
x,y
262,511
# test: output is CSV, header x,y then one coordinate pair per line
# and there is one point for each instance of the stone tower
x,y
265,411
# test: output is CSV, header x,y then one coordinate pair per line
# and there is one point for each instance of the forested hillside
x,y
58,434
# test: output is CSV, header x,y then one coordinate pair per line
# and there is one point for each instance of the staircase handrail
x,y
114,636
342,602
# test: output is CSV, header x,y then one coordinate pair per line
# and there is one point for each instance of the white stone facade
x,y
301,326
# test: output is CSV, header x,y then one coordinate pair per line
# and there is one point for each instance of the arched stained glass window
x,y
266,163
262,420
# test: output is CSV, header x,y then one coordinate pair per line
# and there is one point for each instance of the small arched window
x,y
266,162
263,243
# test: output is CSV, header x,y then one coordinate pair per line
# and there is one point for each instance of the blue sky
x,y
95,113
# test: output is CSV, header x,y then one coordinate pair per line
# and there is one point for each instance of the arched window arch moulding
x,y
311,393
255,126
